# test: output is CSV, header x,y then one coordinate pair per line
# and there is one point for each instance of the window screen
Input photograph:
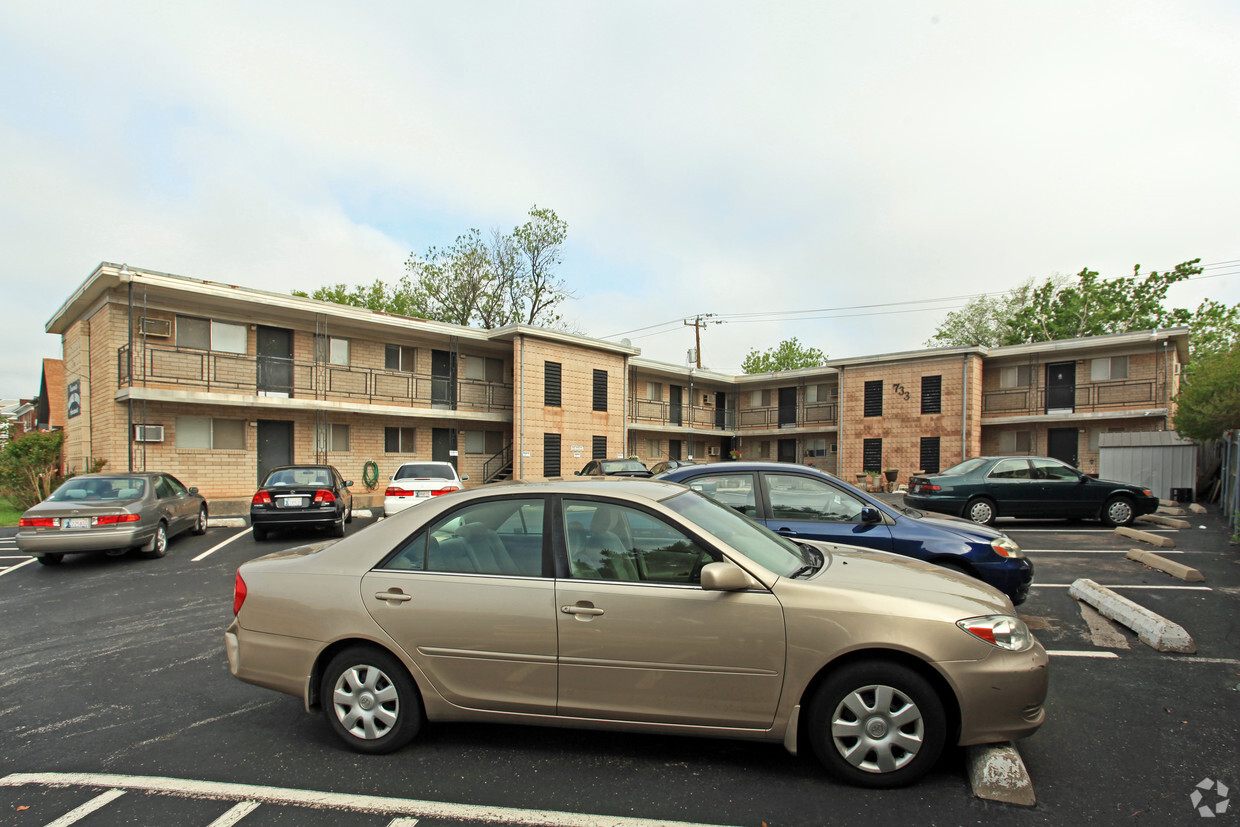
x,y
551,455
874,398
929,459
598,447
872,455
931,394
551,384
600,390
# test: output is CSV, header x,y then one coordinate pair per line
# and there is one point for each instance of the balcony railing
x,y
657,412
1095,396
213,371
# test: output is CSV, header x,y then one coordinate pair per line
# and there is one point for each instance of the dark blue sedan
x,y
798,501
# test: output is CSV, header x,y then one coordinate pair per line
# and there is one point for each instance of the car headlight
x,y
1006,547
1004,631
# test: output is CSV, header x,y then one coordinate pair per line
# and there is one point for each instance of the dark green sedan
x,y
984,488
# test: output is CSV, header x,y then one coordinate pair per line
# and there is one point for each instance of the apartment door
x,y
1061,444
787,407
675,406
1061,386
673,449
274,347
443,374
721,410
786,449
443,445
275,446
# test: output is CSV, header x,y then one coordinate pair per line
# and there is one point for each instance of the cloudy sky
x,y
709,157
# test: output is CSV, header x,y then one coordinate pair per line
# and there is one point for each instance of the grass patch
x,y
8,514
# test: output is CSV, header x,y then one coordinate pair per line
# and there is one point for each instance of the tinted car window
x,y
176,486
794,497
425,472
1010,469
1045,469
614,542
162,488
759,543
467,541
733,490
106,488
964,467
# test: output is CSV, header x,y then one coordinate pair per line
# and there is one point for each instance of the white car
x,y
416,482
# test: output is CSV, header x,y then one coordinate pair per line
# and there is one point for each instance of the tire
x,y
981,510
1118,511
362,676
337,529
159,543
260,534
50,559
200,524
860,739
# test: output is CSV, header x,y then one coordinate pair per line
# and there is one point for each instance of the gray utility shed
x,y
1157,460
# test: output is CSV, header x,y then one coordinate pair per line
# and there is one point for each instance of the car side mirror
x,y
348,483
391,476
576,473
464,477
193,490
725,577
870,514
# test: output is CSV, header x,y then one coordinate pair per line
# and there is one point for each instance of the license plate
x,y
294,502
421,493
75,522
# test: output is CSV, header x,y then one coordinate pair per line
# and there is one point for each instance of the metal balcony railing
x,y
1094,396
658,412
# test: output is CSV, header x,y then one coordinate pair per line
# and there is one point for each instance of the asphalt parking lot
x,y
115,694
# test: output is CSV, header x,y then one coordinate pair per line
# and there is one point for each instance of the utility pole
x,y
697,324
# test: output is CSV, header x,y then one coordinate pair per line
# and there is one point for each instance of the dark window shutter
x,y
551,455
599,448
872,453
600,390
930,454
874,398
931,394
391,440
551,384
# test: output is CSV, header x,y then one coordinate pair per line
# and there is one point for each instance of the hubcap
x,y
1120,511
980,512
877,729
366,702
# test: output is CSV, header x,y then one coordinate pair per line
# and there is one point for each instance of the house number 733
x,y
900,390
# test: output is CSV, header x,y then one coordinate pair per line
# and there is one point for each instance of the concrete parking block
x,y
1171,512
226,522
1167,503
361,512
1152,629
1162,520
1149,558
1145,537
1197,509
997,773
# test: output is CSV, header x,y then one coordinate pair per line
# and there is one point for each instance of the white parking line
x,y
235,814
78,813
216,548
1076,653
17,566
1129,586
324,800
1087,551
1086,531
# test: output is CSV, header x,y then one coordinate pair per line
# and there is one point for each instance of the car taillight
x,y
397,492
113,519
324,496
238,593
38,522
926,487
261,498
447,490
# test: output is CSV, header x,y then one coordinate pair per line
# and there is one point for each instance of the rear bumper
x,y
38,543
395,505
941,505
308,518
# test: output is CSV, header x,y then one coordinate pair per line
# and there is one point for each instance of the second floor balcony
x,y
1093,397
712,417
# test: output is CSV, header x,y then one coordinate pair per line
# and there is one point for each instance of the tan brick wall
x,y
1087,433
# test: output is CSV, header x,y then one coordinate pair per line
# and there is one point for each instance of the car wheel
x,y
348,514
1118,511
982,510
337,529
200,525
877,724
370,700
50,559
159,543
260,534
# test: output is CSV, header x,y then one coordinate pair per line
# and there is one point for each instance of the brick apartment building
x,y
216,383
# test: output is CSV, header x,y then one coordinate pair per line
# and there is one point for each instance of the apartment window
x,y
1113,367
929,458
872,454
760,399
337,437
1015,442
699,449
598,447
819,393
1016,376
483,442
551,384
208,433
931,394
399,440
399,357
208,334
874,398
484,369
815,447
331,349
764,449
600,390
551,453
654,391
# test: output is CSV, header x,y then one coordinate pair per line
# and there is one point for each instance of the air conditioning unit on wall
x,y
713,451
160,328
148,433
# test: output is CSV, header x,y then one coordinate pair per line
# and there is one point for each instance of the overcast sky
x,y
708,157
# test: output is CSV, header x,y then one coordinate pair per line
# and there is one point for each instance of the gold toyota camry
x,y
642,606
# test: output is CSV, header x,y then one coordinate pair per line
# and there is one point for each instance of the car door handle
x,y
394,597
581,610
787,532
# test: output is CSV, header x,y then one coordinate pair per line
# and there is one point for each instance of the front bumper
x,y
39,543
1002,697
1013,577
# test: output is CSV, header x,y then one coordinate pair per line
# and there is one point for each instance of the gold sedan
x,y
641,606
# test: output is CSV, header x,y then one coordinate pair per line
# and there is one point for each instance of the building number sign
x,y
900,390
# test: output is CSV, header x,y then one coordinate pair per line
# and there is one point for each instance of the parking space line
x,y
1129,586
1088,551
17,566
78,813
235,813
1077,653
1086,531
216,548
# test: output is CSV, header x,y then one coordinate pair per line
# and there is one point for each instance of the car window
x,y
614,542
1048,469
963,467
433,471
1010,469
162,488
175,485
754,540
794,497
495,537
102,488
733,490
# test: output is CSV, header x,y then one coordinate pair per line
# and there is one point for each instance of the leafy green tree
x,y
29,467
984,321
789,354
1209,399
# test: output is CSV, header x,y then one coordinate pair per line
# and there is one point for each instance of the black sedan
x,y
984,488
613,468
670,465
302,496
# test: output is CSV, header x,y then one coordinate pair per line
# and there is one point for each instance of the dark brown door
x,y
1061,386
275,446
1061,444
787,407
274,346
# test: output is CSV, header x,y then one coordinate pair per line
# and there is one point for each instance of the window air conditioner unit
x,y
713,450
148,433
160,328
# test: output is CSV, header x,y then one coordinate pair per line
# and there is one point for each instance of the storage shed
x,y
1161,461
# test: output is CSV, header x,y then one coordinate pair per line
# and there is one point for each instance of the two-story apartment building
x,y
217,383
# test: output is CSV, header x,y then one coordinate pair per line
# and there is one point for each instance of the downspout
x,y
521,414
964,411
839,427
124,274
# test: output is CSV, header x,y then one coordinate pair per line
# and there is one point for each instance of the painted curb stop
x,y
1152,629
997,773
1197,509
1169,522
1149,558
1145,537
226,522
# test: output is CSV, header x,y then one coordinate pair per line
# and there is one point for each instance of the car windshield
x,y
100,488
963,467
614,466
433,471
757,542
299,476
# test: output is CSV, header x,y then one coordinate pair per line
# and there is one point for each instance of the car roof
x,y
643,487
740,465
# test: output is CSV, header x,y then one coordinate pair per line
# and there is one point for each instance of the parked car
x,y
302,496
802,502
636,605
613,468
416,482
111,513
985,488
670,465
